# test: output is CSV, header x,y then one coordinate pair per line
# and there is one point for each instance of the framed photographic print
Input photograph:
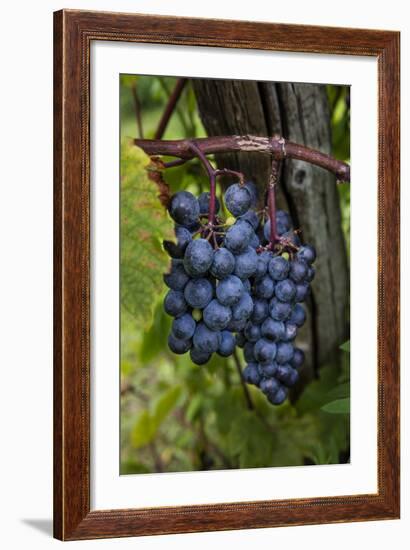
x,y
226,346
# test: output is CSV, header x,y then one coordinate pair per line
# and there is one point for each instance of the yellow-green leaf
x,y
144,224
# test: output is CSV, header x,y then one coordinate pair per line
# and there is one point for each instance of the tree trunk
x,y
298,112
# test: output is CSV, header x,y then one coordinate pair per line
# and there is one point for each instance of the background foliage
x,y
176,416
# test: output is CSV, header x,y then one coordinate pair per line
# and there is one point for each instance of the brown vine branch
x,y
276,146
169,109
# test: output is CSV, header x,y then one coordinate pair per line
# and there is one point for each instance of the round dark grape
x,y
252,332
243,309
269,386
269,370
229,290
278,268
273,330
184,208
245,263
297,359
203,201
290,332
198,257
298,270
279,397
184,327
238,237
238,199
264,351
281,228
223,263
198,292
302,291
251,374
283,217
260,310
284,353
175,304
285,290
287,375
236,326
184,237
251,217
262,264
265,287
217,316
307,253
199,357
253,191
298,316
227,345
205,339
279,311
177,278
177,345
254,242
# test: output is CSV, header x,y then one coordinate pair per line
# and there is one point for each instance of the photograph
x,y
234,274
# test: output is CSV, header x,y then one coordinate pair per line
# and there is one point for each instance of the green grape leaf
x,y
339,406
165,404
251,440
314,395
146,427
144,224
341,391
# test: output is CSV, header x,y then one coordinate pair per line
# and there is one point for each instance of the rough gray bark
x,y
300,113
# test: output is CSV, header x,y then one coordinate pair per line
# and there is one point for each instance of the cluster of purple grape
x,y
281,284
228,288
209,285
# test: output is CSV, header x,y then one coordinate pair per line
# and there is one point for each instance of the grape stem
x,y
274,237
212,181
277,146
212,175
227,172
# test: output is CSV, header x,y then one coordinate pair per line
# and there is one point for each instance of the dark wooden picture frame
x,y
73,33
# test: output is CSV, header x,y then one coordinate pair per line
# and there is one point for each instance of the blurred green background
x,y
176,416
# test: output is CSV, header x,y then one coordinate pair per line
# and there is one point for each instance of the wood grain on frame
x,y
73,32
